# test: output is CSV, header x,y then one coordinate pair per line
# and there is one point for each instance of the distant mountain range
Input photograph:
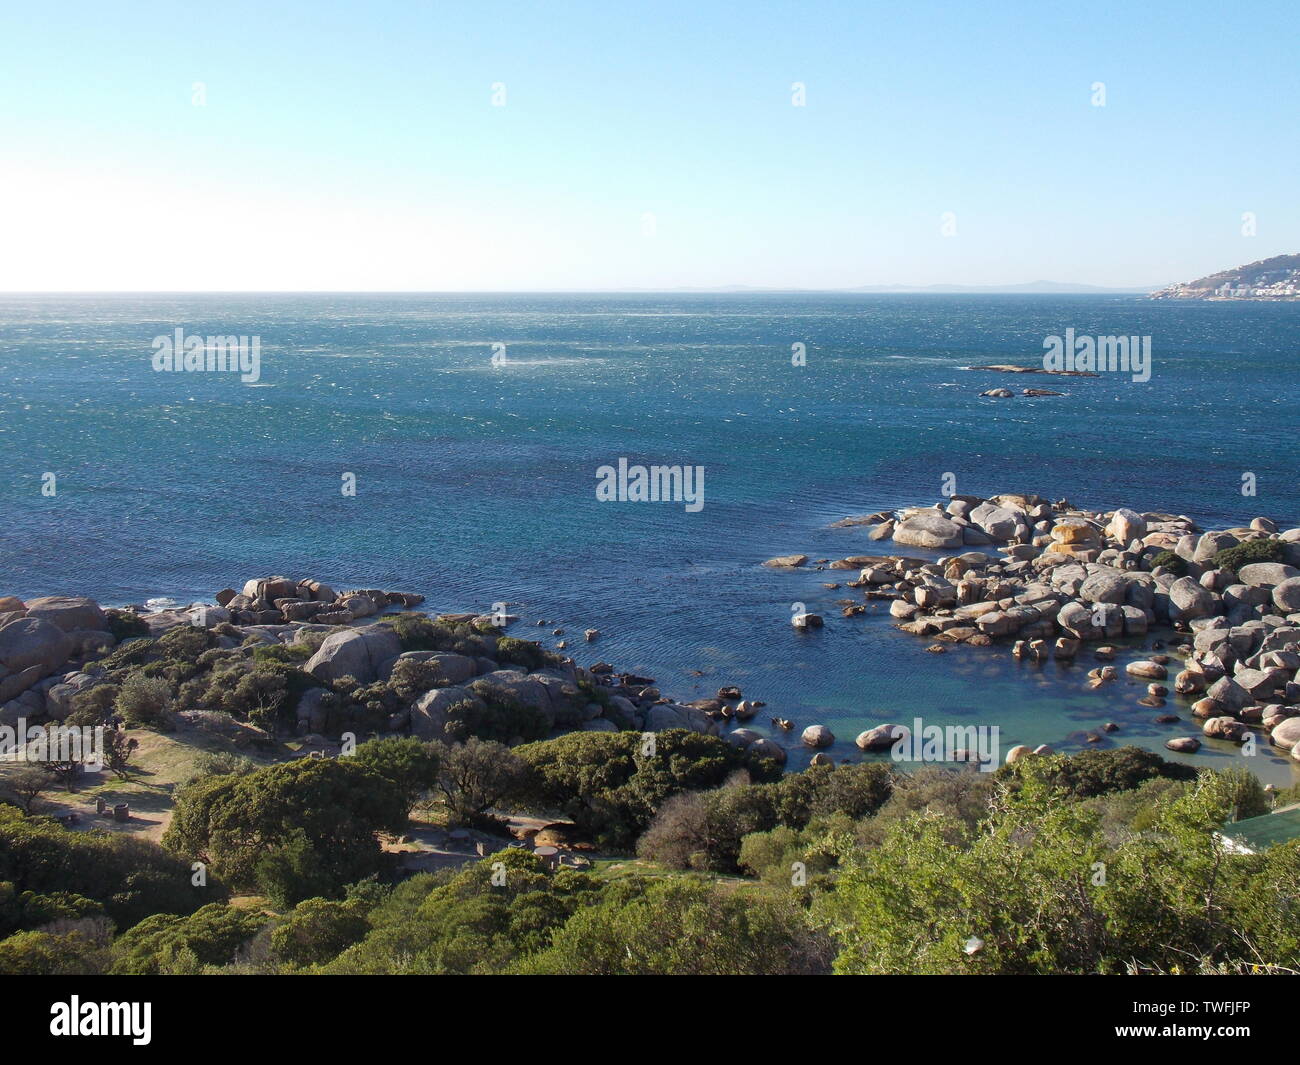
x,y
1277,278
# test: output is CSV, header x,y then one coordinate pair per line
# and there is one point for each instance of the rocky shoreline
x,y
357,668
1059,580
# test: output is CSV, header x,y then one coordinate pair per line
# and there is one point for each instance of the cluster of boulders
x,y
45,643
273,600
39,638
556,691
1056,577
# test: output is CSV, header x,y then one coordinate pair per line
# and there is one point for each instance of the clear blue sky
x,y
355,145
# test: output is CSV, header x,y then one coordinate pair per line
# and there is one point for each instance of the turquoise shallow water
x,y
476,482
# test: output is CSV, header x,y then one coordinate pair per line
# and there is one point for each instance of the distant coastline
x,y
1275,280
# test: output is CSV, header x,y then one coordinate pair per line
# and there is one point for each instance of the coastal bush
x,y
284,654
130,878
1091,772
464,922
318,930
682,927
411,678
1248,552
314,819
610,784
496,716
124,624
93,706
419,632
817,848
185,643
292,870
131,653
145,702
265,694
527,653
478,775
166,943
1175,564
221,763
1021,892
961,797
706,830
65,948
408,764
28,909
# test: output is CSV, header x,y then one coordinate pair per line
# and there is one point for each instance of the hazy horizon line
x,y
1028,289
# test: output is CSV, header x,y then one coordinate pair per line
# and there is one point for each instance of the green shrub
x,y
1091,772
469,921
705,830
411,678
251,829
145,702
131,878
1248,552
610,784
497,717
131,653
686,928
318,930
405,762
417,632
532,656
125,624
93,706
78,948
166,943
222,763
283,654
1173,563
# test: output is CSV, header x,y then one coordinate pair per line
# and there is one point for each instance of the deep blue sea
x,y
476,480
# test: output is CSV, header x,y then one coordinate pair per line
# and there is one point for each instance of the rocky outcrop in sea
x,y
52,649
1051,580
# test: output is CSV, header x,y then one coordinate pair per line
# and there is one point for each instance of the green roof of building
x,y
1260,833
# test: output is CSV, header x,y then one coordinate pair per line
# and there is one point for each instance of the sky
x,y
373,146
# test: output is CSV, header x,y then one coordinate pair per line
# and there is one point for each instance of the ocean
x,y
475,477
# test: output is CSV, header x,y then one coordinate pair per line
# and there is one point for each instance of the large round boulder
x,y
452,668
818,736
1229,695
68,612
429,714
880,738
1266,574
1286,595
1287,734
358,653
1126,526
999,523
1145,668
28,642
1192,599
928,530
1225,728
